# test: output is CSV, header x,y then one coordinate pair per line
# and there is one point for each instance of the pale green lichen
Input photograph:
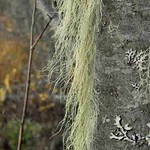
x,y
74,60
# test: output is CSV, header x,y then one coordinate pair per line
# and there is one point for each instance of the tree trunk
x,y
120,84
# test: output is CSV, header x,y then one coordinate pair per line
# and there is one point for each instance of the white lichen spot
x,y
126,133
105,119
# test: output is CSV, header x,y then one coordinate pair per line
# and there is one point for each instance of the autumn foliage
x,y
12,59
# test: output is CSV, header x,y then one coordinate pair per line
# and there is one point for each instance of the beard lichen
x,y
74,60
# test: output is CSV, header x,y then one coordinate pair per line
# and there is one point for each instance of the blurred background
x,y
45,110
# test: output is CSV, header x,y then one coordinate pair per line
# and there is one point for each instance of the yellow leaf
x,y
43,96
45,107
38,75
14,71
2,94
48,86
7,83
33,85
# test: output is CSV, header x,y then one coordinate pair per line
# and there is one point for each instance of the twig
x,y
39,37
21,129
32,47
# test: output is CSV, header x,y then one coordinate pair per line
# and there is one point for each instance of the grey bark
x,y
125,26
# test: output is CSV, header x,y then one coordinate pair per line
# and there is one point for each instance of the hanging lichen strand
x,y
74,59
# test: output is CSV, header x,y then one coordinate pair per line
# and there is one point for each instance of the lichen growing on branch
x,y
74,60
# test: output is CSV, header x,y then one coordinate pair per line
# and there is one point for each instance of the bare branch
x,y
39,37
21,130
32,47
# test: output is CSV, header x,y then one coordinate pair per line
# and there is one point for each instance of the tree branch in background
x,y
47,10
39,37
32,47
